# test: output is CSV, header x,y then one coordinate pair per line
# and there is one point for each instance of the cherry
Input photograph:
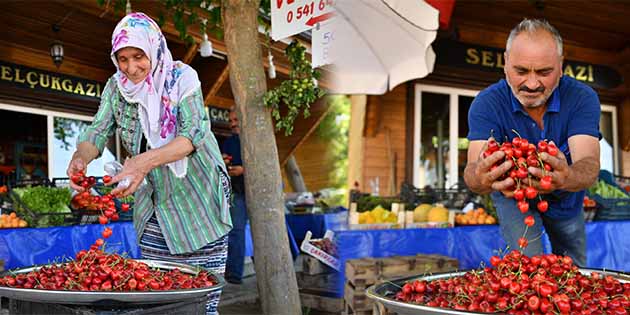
x,y
529,221
545,182
522,242
552,149
523,206
107,179
494,260
542,206
531,192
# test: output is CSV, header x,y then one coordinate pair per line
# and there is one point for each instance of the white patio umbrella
x,y
381,43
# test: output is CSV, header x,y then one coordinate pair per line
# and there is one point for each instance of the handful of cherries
x,y
104,204
523,155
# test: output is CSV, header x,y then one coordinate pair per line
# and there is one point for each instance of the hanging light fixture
x,y
56,48
271,71
205,49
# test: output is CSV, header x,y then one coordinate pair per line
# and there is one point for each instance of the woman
x,y
155,105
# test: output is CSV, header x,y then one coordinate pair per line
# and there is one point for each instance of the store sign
x,y
218,115
322,38
30,78
452,53
290,17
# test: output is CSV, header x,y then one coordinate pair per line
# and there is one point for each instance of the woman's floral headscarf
x,y
168,82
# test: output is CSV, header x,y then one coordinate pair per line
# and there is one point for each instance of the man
x,y
236,238
540,103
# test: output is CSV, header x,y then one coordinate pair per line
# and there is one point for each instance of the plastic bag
x,y
112,169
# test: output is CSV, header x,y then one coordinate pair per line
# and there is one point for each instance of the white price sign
x,y
289,17
322,40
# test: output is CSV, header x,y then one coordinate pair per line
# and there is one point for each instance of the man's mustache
x,y
528,90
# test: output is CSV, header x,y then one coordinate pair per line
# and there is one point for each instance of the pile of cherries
x,y
523,155
517,284
105,204
95,270
326,245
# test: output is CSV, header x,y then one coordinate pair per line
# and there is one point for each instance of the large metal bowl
x,y
384,292
107,297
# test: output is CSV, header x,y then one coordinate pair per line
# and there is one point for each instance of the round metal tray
x,y
384,292
108,297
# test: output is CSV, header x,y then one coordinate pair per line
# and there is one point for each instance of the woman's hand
x,y
235,170
76,165
135,169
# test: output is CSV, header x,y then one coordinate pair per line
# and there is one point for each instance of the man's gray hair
x,y
532,26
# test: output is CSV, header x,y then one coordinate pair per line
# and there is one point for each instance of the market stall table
x,y
317,223
34,246
26,247
607,245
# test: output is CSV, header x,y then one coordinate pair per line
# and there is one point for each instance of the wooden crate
x,y
367,271
377,309
312,266
321,300
364,272
329,281
356,298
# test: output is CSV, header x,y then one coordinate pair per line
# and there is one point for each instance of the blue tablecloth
x,y
317,223
35,246
607,245
249,243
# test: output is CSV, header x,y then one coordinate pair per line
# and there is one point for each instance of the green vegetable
x,y
367,203
104,190
607,191
43,201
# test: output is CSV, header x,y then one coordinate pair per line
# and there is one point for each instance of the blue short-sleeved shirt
x,y
574,109
232,146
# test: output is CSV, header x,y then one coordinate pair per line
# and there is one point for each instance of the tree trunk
x,y
294,176
277,285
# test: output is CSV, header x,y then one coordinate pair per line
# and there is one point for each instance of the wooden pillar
x,y
294,176
624,116
355,141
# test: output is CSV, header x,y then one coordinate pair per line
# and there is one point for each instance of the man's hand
x,y
235,170
486,177
559,174
76,165
134,169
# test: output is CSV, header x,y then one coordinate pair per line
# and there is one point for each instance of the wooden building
x,y
42,106
397,137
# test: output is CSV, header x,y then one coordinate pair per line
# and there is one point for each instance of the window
x,y
440,135
40,143
609,145
65,134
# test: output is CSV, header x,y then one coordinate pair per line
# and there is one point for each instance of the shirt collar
x,y
554,100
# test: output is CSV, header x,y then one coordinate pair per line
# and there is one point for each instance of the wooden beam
x,y
219,82
308,133
152,9
190,53
41,60
219,101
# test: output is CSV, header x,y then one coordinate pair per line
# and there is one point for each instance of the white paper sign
x,y
322,41
289,17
